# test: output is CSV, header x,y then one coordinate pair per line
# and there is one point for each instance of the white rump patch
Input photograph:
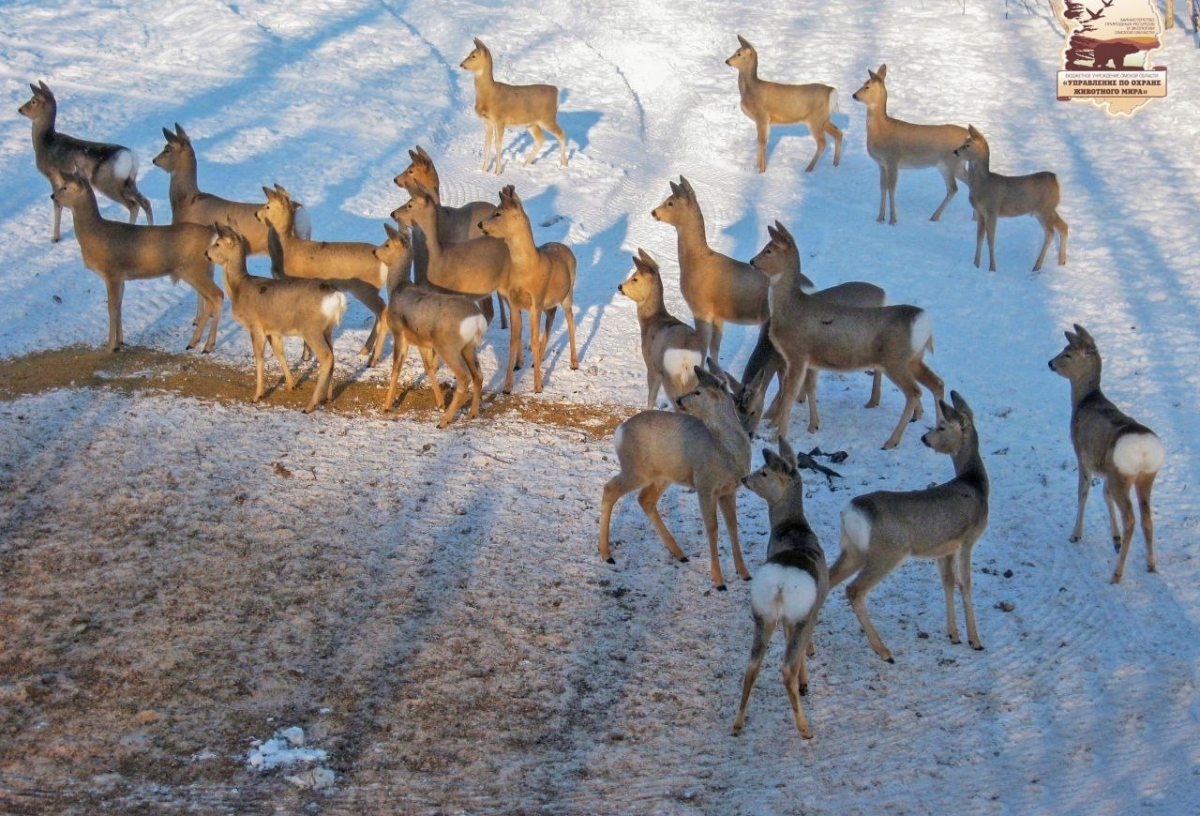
x,y
782,593
679,364
922,330
124,164
856,529
333,306
471,330
1139,453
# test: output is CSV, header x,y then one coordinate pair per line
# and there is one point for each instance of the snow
x,y
451,577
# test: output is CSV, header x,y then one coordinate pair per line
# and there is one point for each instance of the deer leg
x,y
947,171
932,382
876,389
116,290
535,346
487,144
905,381
54,235
213,297
1120,495
498,138
810,390
277,346
836,132
399,350
1061,226
1085,486
562,141
946,569
758,649
964,588
462,379
883,188
429,358
728,505
569,314
472,361
877,568
648,499
793,379
614,489
1114,526
763,129
818,133
538,139
979,229
990,227
514,346
324,354
1047,237
849,561
795,675
1144,484
708,513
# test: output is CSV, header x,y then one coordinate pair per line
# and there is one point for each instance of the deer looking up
x,y
1110,444
894,143
109,169
501,105
774,103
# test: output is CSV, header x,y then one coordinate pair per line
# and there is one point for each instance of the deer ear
x,y
744,42
974,133
787,454
882,72
45,89
686,186
171,137
961,406
772,233
182,133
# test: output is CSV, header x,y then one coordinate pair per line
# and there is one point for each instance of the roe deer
x,y
775,103
812,331
438,324
540,279
717,288
790,588
272,309
703,447
455,224
108,168
993,195
351,265
1108,443
189,205
501,105
894,143
671,348
881,529
119,252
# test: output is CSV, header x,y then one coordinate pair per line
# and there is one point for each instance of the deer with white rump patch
x,y
190,205
272,309
881,529
810,331
703,446
501,105
776,103
1108,443
716,287
539,280
994,195
894,143
349,265
790,588
671,348
438,324
110,169
120,252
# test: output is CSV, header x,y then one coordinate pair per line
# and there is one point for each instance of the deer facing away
x,y
438,324
703,446
1108,443
272,309
881,529
120,252
110,169
894,143
501,105
994,196
790,588
775,103
816,332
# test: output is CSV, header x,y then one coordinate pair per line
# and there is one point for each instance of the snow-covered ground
x,y
453,640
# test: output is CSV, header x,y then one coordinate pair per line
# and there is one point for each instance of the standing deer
x,y
540,279
775,103
108,168
671,348
500,105
119,252
894,143
812,331
717,288
704,446
790,588
1108,443
272,309
350,265
190,205
994,195
438,324
881,529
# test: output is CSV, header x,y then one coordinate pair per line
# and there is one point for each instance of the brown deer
x,y
1108,443
120,252
790,588
272,309
501,105
894,143
703,446
881,529
994,195
438,324
539,280
775,103
190,205
109,168
812,331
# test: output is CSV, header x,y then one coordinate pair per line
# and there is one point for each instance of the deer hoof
x,y
722,588
892,660
610,561
683,560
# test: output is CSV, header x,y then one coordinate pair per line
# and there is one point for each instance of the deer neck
x,y
85,215
968,464
691,239
748,76
651,307
1085,385
730,436
183,181
980,167
235,273
788,511
521,248
43,130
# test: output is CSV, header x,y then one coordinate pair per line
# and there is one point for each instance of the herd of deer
x,y
439,269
